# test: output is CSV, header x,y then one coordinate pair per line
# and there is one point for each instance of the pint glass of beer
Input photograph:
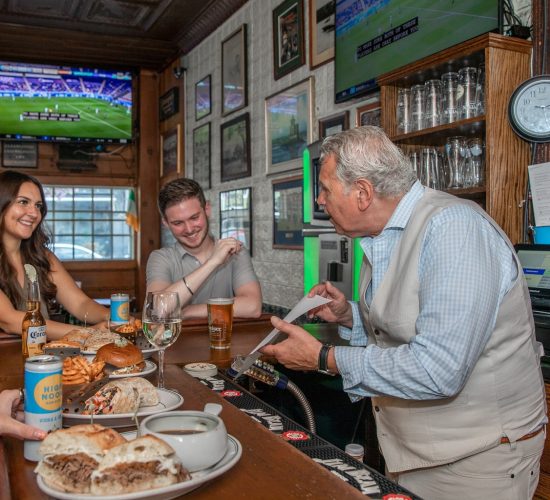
x,y
220,322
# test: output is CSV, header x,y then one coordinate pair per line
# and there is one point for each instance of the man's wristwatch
x,y
322,365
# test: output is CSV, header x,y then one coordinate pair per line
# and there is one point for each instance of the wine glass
x,y
161,323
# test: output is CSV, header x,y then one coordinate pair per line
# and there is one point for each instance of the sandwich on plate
x,y
124,395
69,456
142,464
123,356
99,338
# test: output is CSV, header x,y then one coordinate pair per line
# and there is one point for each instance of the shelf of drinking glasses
x,y
472,193
437,136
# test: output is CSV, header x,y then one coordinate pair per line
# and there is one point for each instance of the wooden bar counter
x,y
269,466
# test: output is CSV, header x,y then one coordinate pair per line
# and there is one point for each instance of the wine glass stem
x,y
160,384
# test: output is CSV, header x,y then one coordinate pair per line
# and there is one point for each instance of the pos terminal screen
x,y
536,267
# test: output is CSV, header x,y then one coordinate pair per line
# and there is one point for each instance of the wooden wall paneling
x,y
167,81
505,152
101,279
148,178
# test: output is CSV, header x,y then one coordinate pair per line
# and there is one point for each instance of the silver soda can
x,y
120,308
43,398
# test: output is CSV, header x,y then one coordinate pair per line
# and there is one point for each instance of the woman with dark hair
x,y
23,241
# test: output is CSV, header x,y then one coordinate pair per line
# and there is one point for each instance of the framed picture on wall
x,y
236,216
235,148
203,97
321,31
169,103
369,114
288,126
287,213
234,72
288,37
201,155
333,124
170,152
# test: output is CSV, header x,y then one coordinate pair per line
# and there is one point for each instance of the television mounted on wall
x,y
373,37
65,104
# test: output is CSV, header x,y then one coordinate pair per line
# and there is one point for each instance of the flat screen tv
x,y
65,104
377,36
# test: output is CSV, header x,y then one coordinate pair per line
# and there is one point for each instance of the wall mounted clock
x,y
529,109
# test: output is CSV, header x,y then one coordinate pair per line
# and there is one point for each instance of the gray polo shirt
x,y
172,263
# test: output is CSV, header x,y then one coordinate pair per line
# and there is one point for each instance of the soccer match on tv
x,y
41,102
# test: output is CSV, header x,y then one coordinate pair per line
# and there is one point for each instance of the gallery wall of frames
x,y
257,92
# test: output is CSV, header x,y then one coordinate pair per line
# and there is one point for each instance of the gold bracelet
x,y
187,286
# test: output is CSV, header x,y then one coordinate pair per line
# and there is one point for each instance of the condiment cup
x,y
199,438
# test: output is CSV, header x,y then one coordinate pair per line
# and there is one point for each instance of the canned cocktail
x,y
43,397
120,308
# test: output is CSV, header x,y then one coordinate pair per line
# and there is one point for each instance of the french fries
x,y
129,327
77,370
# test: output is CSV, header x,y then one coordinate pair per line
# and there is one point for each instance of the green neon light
x,y
306,189
357,261
311,262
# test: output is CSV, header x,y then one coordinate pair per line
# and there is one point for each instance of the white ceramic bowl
x,y
199,438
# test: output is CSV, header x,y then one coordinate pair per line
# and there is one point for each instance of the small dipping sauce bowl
x,y
199,438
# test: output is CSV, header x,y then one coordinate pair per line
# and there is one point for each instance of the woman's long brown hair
x,y
33,249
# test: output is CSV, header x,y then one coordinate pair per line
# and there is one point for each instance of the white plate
x,y
168,400
147,353
231,457
150,367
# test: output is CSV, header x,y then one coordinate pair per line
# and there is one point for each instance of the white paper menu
x,y
303,306
539,181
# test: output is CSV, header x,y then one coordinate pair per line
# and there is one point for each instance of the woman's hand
x,y
12,416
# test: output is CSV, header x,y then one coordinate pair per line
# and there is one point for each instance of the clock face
x,y
529,109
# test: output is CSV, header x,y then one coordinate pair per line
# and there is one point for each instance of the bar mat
x,y
357,474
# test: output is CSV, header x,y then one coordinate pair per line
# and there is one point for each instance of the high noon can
x,y
43,397
120,308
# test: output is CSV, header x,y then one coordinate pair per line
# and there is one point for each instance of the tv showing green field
x,y
377,36
60,103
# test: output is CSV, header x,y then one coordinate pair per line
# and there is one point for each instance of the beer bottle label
x,y
36,338
36,334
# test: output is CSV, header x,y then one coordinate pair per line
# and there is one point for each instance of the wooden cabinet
x,y
507,64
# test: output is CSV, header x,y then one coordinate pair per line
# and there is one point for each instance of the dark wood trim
x,y
541,34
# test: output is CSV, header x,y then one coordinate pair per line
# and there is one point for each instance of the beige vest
x,y
504,395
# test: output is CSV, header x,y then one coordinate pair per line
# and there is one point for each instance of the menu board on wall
x,y
19,154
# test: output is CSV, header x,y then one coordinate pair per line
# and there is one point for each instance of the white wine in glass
x,y
161,323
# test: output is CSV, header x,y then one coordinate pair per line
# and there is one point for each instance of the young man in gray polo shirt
x,y
197,266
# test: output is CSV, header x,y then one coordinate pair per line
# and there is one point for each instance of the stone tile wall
x,y
280,271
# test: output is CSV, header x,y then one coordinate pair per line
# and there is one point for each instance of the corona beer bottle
x,y
33,330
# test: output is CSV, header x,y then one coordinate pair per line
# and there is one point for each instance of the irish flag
x,y
131,212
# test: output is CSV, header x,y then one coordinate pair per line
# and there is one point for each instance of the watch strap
x,y
322,364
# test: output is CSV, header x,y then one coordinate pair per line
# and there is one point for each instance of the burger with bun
x,y
123,355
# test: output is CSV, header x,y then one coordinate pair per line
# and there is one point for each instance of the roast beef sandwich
x,y
69,456
124,395
142,464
